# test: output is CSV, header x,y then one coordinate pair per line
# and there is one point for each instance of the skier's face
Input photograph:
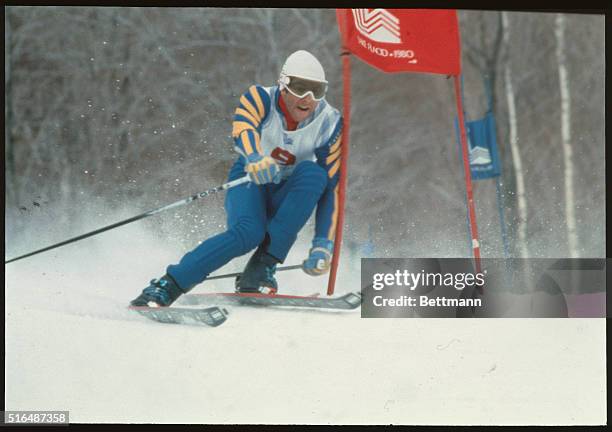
x,y
299,108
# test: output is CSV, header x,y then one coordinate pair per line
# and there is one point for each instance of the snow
x,y
72,345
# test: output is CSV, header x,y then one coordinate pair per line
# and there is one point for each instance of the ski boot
x,y
161,292
258,275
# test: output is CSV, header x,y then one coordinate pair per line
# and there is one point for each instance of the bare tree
x,y
521,223
566,137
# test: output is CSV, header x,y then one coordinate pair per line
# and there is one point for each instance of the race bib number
x,y
283,156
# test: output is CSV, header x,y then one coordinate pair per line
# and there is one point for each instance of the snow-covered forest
x,y
112,111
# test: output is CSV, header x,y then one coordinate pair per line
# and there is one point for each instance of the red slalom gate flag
x,y
403,40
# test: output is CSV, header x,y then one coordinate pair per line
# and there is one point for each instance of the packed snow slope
x,y
72,345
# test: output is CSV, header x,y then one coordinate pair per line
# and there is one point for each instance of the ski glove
x,y
262,169
319,257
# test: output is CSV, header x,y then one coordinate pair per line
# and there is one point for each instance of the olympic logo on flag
x,y
379,25
480,156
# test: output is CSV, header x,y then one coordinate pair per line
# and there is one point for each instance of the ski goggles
x,y
300,87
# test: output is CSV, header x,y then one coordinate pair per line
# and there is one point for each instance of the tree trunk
x,y
566,136
516,156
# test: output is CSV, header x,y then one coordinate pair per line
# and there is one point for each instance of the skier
x,y
288,139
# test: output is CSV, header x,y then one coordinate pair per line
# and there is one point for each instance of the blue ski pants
x,y
280,210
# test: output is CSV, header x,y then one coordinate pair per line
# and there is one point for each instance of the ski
x,y
347,301
212,316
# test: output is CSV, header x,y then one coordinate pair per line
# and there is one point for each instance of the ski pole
x,y
225,186
291,267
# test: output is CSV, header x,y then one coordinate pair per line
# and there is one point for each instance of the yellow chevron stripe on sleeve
x,y
331,234
258,143
258,101
239,127
336,145
246,142
332,157
334,169
250,108
245,113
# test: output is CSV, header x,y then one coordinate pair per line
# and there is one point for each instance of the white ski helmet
x,y
302,64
